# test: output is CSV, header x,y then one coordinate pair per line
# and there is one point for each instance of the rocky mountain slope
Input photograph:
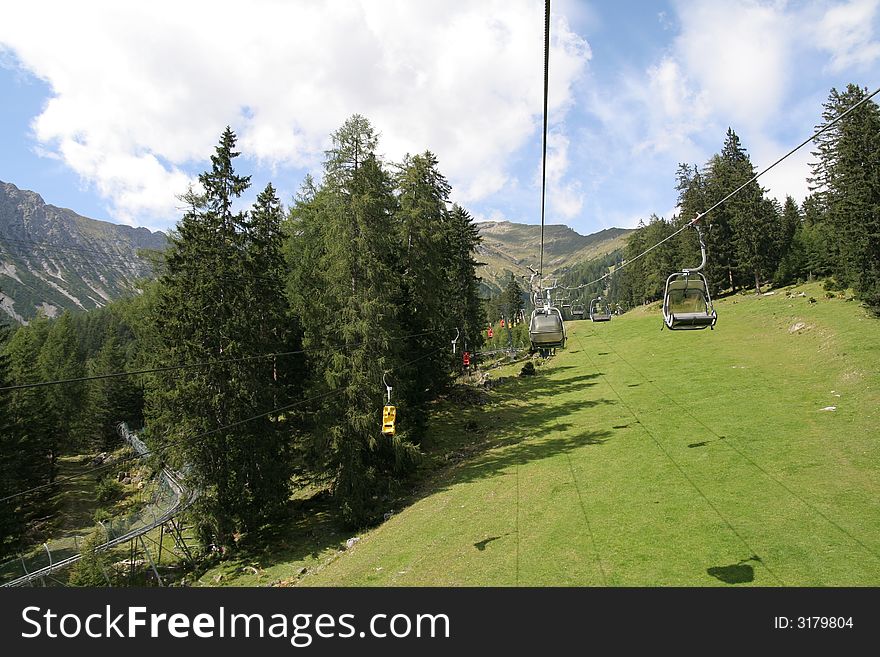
x,y
509,247
52,259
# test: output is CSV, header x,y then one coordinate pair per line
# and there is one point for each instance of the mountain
x,y
53,259
509,247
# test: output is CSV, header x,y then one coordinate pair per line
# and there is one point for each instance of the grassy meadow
x,y
637,457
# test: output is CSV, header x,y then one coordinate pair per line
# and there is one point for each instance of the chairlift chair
x,y
599,310
546,328
577,311
389,412
389,415
687,304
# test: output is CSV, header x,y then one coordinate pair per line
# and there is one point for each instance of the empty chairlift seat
x,y
546,328
687,303
599,310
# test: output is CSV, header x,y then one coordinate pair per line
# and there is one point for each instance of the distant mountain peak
x,y
511,247
52,258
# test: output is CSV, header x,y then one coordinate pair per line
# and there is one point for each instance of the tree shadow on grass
x,y
307,531
515,433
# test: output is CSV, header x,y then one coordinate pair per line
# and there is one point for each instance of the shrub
x,y
91,568
109,490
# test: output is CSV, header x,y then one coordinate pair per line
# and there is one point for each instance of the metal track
x,y
183,498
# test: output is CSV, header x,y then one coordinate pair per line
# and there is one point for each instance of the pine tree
x,y
350,258
210,307
741,230
60,359
112,400
424,231
512,298
91,569
10,456
29,406
464,306
846,179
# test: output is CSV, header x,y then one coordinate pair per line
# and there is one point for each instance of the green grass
x,y
641,458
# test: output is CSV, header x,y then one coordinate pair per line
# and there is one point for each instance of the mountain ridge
x,y
509,247
54,259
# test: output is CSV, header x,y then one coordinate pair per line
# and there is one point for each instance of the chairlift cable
x,y
544,139
210,363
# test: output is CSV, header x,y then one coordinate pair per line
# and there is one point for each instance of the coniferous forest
x,y
274,333
754,240
300,317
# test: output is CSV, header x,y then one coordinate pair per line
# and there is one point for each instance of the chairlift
x,y
687,304
577,311
546,328
600,310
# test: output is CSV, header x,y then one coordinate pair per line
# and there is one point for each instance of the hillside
x,y
53,259
747,455
509,247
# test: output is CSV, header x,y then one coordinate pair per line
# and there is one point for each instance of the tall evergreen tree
x,y
425,229
464,306
513,298
60,359
209,307
111,400
846,179
743,229
11,449
350,259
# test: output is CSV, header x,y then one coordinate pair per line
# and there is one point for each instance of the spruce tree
x,y
210,308
11,452
424,233
464,306
59,359
846,179
350,322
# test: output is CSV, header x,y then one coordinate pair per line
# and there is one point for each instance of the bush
x,y
91,568
528,369
109,490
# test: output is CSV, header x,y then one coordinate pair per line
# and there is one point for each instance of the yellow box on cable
x,y
389,415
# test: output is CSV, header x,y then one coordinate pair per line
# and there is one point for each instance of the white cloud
x,y
563,198
493,216
760,67
789,177
847,32
141,92
739,56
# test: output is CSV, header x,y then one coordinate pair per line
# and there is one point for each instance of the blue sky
x,y
112,108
